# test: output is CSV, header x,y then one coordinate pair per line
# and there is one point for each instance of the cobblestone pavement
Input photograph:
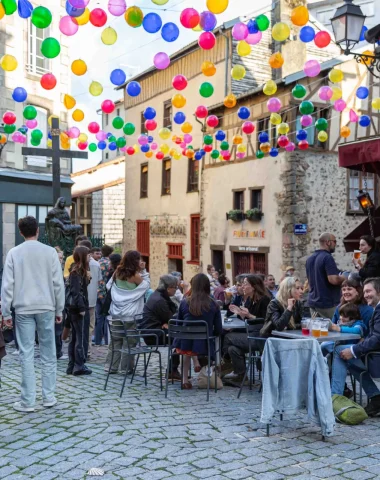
x,y
144,436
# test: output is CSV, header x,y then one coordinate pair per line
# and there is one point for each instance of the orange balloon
x,y
230,100
265,147
149,154
78,115
3,139
237,140
276,60
208,69
345,132
367,60
299,16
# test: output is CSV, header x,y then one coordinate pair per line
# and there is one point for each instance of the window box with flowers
x,y
235,215
254,214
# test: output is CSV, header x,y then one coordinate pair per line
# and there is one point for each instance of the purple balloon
x,y
79,3
187,138
117,7
142,140
340,105
325,93
207,21
240,31
240,155
73,132
161,60
154,146
290,147
254,38
306,120
312,68
101,135
274,104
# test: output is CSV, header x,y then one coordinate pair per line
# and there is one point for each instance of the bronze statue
x,y
58,224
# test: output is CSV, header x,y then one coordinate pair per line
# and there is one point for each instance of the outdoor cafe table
x,y
336,337
235,323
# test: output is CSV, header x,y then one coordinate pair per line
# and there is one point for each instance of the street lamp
x,y
347,24
365,201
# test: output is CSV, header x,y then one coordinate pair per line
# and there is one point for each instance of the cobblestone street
x,y
147,437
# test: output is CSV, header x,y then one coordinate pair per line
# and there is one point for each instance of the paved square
x,y
144,436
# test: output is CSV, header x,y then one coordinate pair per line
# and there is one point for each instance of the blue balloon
x,y
244,113
362,93
263,137
301,135
109,134
49,136
362,35
24,129
25,8
252,26
112,146
198,155
273,152
202,152
118,77
19,94
150,139
179,118
133,89
145,148
149,113
207,21
364,121
170,32
220,135
307,34
102,145
73,11
152,23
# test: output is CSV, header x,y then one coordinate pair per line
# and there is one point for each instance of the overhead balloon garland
x,y
247,35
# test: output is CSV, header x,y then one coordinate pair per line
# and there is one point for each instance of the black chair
x,y
254,355
132,340
367,358
189,330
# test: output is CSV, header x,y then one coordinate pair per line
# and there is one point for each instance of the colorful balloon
x,y
48,81
149,113
9,118
19,94
306,107
337,93
345,132
301,135
230,101
79,3
362,93
306,120
280,31
179,118
170,32
208,69
179,82
117,7
336,75
79,67
243,49
275,119
323,136
252,26
262,22
84,18
161,60
164,133
321,124
187,128
307,34
95,89
325,93
150,125
93,127
50,47
92,147
312,68
212,121
276,60
207,40
8,63
207,21
248,128
68,26
283,128
78,115
129,129
274,105
118,123
322,39
189,18
178,101
206,90
107,106
30,112
299,91
364,121
133,89
303,145
217,6
41,17
290,147
109,36
244,113
339,105
201,111
98,17
152,23
376,103
31,124
102,145
134,16
238,72
299,16
270,88
118,77
240,31
354,117
254,38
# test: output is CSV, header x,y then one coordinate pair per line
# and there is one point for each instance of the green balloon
x,y
35,143
215,154
10,6
36,135
129,129
206,90
41,17
9,129
50,47
262,22
112,138
121,142
117,123
30,113
259,154
92,147
208,140
299,91
306,107
224,146
321,124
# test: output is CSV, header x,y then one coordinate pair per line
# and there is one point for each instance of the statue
x,y
58,224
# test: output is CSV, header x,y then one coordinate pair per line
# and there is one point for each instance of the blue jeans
x,y
356,367
101,328
25,330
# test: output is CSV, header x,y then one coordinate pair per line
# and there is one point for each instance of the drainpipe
x,y
227,75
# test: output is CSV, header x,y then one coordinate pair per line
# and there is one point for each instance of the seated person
x,y
239,299
351,357
219,292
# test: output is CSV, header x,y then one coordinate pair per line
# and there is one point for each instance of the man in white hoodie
x,y
33,285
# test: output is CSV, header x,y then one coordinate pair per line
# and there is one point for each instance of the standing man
x,y
324,278
105,269
33,285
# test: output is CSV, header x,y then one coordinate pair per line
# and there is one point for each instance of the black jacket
x,y
371,267
78,289
371,344
158,310
278,317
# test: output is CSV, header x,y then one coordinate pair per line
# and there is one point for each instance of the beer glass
x,y
325,327
316,328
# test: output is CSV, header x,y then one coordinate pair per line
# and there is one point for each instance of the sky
x,y
133,52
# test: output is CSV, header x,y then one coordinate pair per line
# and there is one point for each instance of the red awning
x,y
366,152
351,241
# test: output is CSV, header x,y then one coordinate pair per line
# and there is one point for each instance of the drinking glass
x,y
325,327
305,326
357,254
316,328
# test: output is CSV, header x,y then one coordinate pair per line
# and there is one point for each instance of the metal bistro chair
x,y
132,339
367,358
189,330
253,355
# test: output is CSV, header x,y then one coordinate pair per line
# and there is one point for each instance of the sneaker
x,y
49,404
233,376
84,371
16,352
20,407
373,407
63,357
226,368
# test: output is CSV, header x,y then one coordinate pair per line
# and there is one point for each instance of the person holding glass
x,y
371,267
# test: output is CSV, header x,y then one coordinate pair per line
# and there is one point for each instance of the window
x,y
195,232
107,156
168,114
41,118
239,200
356,183
142,123
37,63
193,175
118,112
175,250
257,198
143,237
166,174
107,118
144,181
84,213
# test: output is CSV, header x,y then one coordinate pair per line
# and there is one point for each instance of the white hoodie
x,y
128,303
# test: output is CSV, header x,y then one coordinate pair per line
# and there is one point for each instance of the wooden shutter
x,y
175,250
195,233
143,237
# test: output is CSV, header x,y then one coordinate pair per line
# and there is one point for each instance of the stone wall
x,y
108,210
9,227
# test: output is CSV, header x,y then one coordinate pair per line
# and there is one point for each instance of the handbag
x,y
107,300
202,378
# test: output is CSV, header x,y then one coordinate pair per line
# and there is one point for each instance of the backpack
x,y
347,411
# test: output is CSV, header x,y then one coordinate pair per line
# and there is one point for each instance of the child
x,y
350,320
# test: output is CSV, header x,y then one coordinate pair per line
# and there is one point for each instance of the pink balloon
x,y
73,132
153,146
31,124
312,68
15,137
340,105
254,38
274,104
325,93
354,117
117,7
187,138
101,135
207,40
240,155
23,139
123,149
182,145
290,147
142,140
226,153
68,26
161,60
306,120
240,31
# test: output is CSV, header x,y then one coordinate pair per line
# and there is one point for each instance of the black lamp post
x,y
347,24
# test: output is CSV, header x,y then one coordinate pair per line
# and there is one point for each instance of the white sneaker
x,y
20,407
50,404
64,357
16,352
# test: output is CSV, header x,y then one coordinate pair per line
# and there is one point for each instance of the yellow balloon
x,y
275,118
84,18
49,143
136,148
160,2
95,89
243,48
208,68
178,100
337,93
299,16
376,103
164,148
336,75
270,88
79,67
69,101
237,140
238,72
322,136
177,155
241,148
164,133
51,118
368,59
83,137
198,28
109,36
8,63
172,151
230,101
149,154
134,16
280,31
217,6
283,128
2,11
187,127
78,115
265,147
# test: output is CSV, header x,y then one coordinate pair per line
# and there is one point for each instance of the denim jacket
x,y
286,365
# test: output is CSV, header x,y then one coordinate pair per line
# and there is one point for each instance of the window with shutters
x,y
166,176
195,239
37,63
355,180
144,181
193,176
143,237
175,250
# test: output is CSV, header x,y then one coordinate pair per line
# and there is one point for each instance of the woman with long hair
x,y
254,289
128,286
198,306
76,307
371,267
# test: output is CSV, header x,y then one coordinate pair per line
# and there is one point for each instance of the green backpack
x,y
348,412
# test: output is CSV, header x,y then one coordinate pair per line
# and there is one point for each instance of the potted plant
x,y
254,214
235,215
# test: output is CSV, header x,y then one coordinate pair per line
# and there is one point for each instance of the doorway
x,y
175,265
249,263
217,259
